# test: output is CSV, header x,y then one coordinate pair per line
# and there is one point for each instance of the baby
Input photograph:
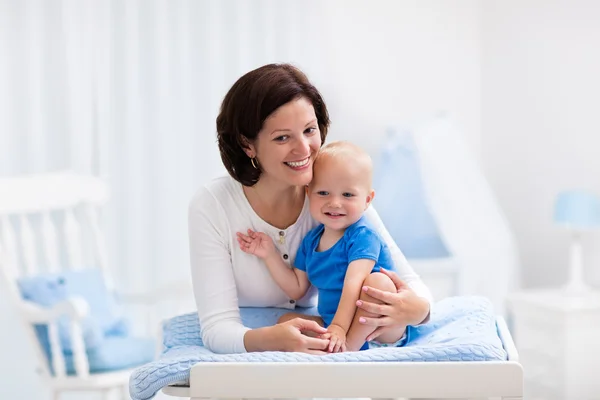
x,y
341,255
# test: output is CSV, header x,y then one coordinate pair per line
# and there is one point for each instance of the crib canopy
x,y
436,202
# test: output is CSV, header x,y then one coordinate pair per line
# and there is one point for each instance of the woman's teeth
x,y
297,164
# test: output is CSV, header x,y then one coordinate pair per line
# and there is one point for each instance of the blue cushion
x,y
105,332
400,199
116,353
50,289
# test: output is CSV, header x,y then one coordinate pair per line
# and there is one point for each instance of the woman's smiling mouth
x,y
298,164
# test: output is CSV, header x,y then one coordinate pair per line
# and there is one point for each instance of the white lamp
x,y
578,211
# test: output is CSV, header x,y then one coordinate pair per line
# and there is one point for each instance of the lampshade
x,y
577,209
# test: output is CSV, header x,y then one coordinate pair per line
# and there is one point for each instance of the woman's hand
x,y
256,243
401,308
288,336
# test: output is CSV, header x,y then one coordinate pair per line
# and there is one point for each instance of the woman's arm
x,y
216,296
404,270
212,276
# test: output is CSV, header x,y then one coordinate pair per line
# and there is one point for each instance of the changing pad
x,y
460,329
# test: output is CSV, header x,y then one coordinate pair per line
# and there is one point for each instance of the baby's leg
x,y
358,332
289,316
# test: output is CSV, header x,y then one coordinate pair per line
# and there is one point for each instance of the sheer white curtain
x,y
129,90
472,225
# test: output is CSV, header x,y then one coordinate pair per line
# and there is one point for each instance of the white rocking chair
x,y
29,208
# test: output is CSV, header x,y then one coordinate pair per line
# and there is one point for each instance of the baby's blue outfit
x,y
326,270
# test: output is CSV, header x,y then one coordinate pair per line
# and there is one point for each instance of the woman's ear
x,y
248,147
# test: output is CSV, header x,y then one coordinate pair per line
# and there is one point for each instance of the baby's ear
x,y
370,198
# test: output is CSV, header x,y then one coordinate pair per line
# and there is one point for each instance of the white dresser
x,y
558,339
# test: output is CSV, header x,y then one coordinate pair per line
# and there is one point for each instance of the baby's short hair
x,y
345,149
348,152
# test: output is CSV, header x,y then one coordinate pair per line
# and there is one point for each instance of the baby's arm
x,y
291,280
357,272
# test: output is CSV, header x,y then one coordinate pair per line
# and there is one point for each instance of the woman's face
x,y
288,143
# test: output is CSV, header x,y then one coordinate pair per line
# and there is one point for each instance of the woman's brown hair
x,y
249,102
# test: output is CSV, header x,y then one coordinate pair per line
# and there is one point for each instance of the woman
x,y
270,127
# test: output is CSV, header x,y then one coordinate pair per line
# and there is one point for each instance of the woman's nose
x,y
302,146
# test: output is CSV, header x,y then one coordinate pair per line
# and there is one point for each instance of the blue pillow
x,y
400,199
50,289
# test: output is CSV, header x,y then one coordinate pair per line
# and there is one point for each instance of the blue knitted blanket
x,y
460,329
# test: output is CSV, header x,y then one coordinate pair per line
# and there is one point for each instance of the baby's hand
x,y
337,339
256,243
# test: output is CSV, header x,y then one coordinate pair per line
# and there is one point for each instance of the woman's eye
x,y
322,193
281,138
309,131
348,194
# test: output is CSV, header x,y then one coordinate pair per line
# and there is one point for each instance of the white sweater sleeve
x,y
212,276
405,271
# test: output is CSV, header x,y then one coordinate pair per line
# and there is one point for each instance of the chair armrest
x,y
76,309
168,292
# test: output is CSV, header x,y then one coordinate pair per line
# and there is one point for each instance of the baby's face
x,y
339,193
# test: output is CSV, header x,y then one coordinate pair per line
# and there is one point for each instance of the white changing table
x,y
423,380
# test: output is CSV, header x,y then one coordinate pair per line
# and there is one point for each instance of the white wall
x,y
540,125
399,61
